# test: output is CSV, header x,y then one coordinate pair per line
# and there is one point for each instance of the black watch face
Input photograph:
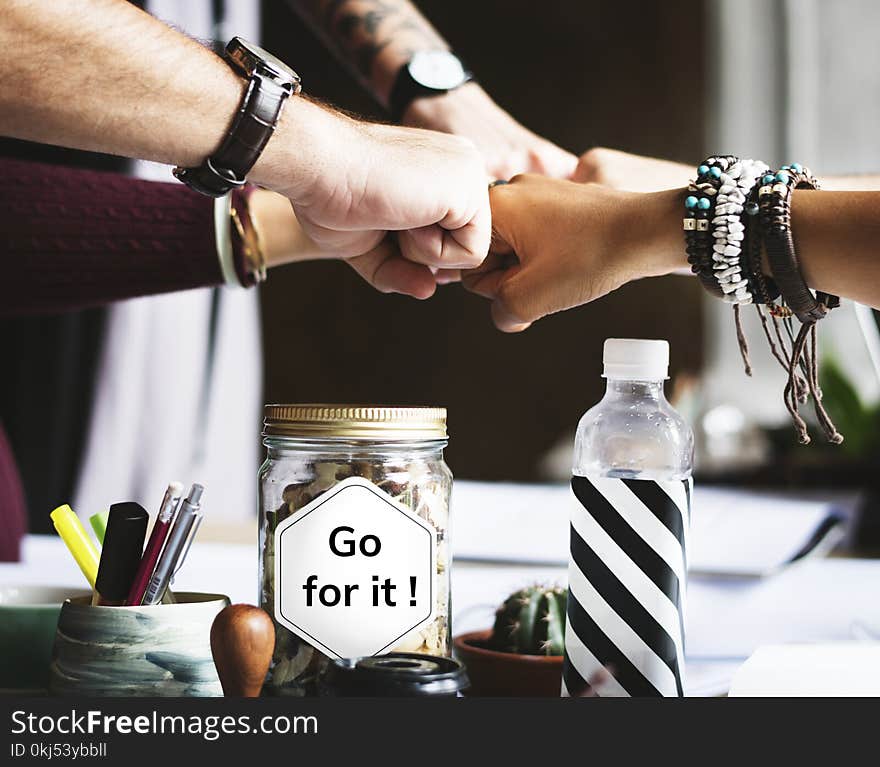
x,y
251,57
437,70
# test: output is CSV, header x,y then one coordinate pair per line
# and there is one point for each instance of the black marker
x,y
121,553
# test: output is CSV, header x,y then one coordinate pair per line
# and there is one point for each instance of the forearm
x,y
621,170
124,83
374,37
127,84
835,236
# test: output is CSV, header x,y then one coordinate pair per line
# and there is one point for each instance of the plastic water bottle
x,y
631,480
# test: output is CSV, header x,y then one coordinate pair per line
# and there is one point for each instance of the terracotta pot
x,y
507,674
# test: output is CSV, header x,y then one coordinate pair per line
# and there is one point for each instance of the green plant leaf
x,y
855,421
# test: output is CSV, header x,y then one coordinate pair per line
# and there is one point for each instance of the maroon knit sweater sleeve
x,y
73,238
13,518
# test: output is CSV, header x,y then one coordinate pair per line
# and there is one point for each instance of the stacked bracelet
x,y
714,229
735,211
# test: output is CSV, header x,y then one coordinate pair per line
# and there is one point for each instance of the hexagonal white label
x,y
354,571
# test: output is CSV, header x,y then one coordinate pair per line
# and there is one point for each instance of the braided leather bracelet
x,y
762,287
774,201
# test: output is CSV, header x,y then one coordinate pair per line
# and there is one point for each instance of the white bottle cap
x,y
635,359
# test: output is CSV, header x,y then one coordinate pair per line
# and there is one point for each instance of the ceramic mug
x,y
155,651
28,617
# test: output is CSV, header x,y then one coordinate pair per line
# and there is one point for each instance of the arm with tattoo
x,y
378,37
374,37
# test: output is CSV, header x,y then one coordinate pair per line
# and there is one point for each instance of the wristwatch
x,y
270,83
428,73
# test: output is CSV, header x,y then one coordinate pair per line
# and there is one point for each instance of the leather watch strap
x,y
406,90
251,129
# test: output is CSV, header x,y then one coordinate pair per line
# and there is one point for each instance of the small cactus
x,y
531,622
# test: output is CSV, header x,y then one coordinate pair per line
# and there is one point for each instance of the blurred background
x,y
772,79
780,80
582,74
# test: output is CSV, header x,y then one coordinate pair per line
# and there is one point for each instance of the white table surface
x,y
817,600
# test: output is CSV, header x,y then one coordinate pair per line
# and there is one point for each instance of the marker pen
x,y
77,541
121,553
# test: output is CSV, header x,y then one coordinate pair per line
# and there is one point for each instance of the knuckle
x,y
523,178
514,301
506,170
537,159
593,163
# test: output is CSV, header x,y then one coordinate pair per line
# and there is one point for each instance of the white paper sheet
x,y
751,534
733,533
815,600
838,669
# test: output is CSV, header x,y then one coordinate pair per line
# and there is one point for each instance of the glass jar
x,y
313,448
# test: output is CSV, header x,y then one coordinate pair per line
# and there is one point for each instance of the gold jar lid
x,y
355,422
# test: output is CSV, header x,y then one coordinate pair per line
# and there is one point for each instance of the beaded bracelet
x,y
729,229
700,210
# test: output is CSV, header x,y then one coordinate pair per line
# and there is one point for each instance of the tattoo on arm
x,y
359,30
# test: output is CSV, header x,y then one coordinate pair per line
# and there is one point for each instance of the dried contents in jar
x,y
298,471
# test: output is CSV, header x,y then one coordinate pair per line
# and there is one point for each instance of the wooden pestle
x,y
242,641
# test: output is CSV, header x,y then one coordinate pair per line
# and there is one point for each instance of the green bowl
x,y
28,617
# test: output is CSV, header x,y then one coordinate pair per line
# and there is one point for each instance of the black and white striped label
x,y
626,587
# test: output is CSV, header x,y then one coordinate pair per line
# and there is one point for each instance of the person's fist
x,y
558,244
406,207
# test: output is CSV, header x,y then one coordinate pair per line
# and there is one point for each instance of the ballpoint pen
x,y
163,524
121,553
188,518
77,541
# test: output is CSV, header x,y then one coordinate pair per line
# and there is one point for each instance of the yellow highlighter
x,y
77,541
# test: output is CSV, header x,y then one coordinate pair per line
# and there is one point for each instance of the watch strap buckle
x,y
208,179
